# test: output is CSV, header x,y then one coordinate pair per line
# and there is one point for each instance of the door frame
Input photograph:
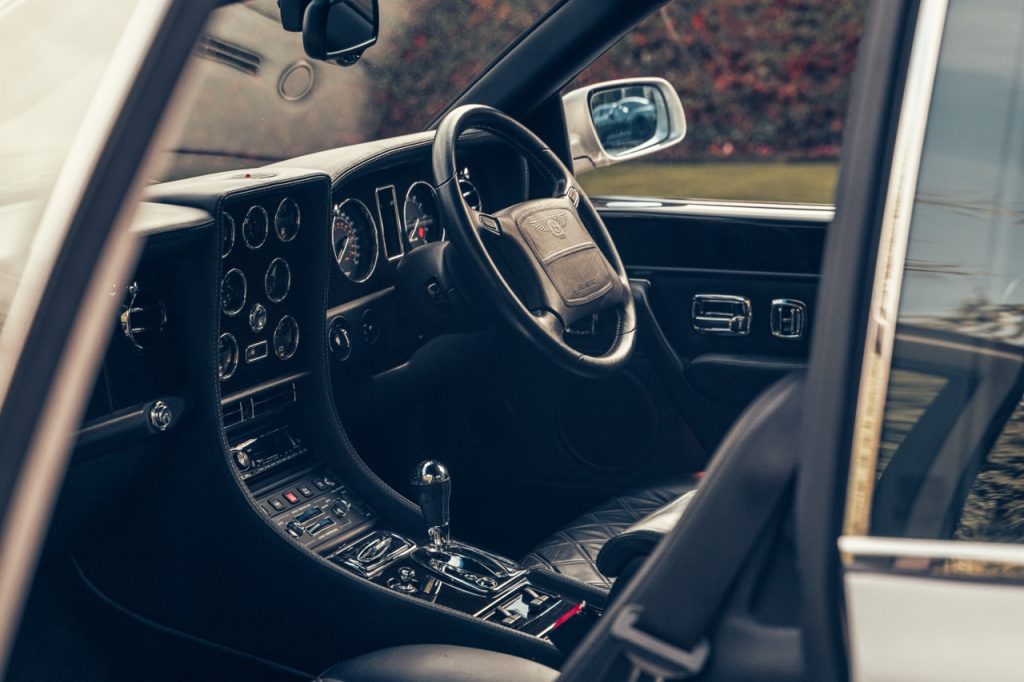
x,y
89,212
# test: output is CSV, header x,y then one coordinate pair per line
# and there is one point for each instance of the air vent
x,y
273,400
260,405
226,53
233,414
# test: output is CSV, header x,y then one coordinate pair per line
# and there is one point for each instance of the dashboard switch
x,y
291,497
295,530
309,514
321,525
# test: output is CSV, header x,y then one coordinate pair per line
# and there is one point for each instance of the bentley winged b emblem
x,y
550,221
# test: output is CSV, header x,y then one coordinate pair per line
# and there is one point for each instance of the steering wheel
x,y
559,265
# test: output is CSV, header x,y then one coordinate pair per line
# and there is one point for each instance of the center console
x,y
315,509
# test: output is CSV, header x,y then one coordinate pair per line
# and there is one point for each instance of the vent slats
x,y
226,53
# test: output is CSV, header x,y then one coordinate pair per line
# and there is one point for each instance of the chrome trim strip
x,y
35,492
911,548
734,210
888,280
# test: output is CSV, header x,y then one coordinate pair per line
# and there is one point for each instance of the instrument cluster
x,y
363,236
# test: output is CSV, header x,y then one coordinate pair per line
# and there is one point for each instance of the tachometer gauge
x,y
470,194
255,227
233,292
286,337
287,219
422,222
354,235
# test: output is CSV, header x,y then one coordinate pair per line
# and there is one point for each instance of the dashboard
x,y
271,245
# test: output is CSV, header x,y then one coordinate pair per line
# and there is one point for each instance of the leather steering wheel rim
x,y
561,246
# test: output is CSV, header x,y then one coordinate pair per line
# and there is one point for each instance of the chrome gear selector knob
x,y
432,487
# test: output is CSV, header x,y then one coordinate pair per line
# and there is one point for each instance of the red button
x,y
291,497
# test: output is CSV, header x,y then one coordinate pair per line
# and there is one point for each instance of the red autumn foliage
x,y
758,78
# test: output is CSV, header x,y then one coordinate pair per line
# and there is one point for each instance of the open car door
x,y
75,125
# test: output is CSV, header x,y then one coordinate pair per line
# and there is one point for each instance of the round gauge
x,y
422,224
232,292
255,227
278,280
470,194
257,318
227,234
339,340
227,356
354,235
287,219
286,337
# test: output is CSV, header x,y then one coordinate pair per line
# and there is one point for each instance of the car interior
x,y
422,406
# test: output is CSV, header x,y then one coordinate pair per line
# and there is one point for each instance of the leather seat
x,y
573,550
438,663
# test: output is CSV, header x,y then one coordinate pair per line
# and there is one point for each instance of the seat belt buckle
x,y
654,657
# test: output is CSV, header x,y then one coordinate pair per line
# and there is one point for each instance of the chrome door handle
x,y
721,314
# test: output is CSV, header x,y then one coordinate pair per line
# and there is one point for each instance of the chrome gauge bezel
x,y
437,212
277,330
340,208
266,280
476,190
257,209
223,373
245,292
227,227
277,219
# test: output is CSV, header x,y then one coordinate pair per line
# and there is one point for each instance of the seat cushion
x,y
573,550
438,663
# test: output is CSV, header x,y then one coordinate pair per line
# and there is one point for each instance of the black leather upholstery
x,y
438,663
640,539
573,550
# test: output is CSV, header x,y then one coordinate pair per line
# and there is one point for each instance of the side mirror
x,y
621,120
333,30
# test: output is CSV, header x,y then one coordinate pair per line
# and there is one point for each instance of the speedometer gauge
x,y
354,235
422,222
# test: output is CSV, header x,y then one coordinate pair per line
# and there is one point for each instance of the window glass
x,y
51,71
764,86
951,460
259,99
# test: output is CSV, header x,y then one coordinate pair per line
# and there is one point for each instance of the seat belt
x,y
657,629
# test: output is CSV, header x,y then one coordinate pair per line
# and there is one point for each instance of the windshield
x,y
255,97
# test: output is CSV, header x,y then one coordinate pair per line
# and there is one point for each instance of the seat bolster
x,y
438,663
572,551
640,539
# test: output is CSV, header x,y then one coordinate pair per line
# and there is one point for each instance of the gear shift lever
x,y
433,488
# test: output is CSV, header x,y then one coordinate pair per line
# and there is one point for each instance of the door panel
x,y
677,250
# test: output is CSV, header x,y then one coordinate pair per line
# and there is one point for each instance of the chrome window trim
x,y
862,546
888,277
44,463
812,213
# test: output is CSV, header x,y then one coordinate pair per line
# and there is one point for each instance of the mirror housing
x,y
621,120
334,30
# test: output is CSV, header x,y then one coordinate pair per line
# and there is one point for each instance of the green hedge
x,y
758,78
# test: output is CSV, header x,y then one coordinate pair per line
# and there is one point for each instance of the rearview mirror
x,y
339,30
621,120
